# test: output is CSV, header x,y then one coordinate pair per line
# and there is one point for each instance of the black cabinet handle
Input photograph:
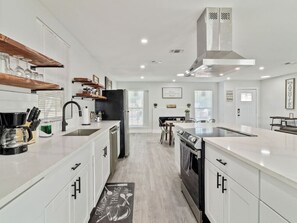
x,y
221,162
76,165
223,184
79,185
74,187
105,151
218,180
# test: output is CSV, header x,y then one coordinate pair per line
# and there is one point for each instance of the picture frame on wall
x,y
95,79
172,92
290,93
108,84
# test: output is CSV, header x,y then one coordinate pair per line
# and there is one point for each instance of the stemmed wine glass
x,y
19,70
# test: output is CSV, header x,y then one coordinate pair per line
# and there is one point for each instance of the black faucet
x,y
64,123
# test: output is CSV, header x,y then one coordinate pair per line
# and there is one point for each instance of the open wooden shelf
x,y
11,80
14,48
86,81
95,97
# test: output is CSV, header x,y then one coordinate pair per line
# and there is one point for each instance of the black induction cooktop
x,y
215,132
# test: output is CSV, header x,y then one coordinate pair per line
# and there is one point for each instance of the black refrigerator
x,y
116,108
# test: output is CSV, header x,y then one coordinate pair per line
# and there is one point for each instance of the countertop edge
x,y
4,201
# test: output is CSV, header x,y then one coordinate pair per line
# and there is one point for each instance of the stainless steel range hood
x,y
214,45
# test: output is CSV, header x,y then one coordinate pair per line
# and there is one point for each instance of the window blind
x,y
50,103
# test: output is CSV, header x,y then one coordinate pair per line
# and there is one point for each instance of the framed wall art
x,y
171,92
95,79
108,84
290,93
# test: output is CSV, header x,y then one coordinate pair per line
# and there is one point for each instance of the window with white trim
x,y
136,107
203,104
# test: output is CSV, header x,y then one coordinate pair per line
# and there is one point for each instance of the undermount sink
x,y
82,132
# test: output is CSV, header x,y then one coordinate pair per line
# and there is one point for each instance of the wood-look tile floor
x,y
158,197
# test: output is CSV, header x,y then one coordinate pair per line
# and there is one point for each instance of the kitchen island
x,y
271,178
49,164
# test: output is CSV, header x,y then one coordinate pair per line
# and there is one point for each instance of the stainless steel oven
x,y
192,177
192,157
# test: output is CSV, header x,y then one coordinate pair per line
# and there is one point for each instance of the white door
x,y
246,107
239,204
213,193
267,215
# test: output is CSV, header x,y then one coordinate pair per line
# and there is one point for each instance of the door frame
x,y
257,104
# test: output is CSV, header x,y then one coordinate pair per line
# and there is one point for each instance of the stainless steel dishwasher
x,y
113,137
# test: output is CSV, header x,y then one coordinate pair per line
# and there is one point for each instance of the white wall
x,y
227,110
273,99
22,25
155,96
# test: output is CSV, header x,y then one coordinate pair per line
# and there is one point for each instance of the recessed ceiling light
x,y
180,75
266,76
142,66
228,78
187,71
261,68
144,41
193,75
237,68
173,80
142,77
221,75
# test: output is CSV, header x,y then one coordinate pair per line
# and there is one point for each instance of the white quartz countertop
x,y
19,172
274,153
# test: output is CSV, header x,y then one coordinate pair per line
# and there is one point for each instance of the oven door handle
x,y
197,153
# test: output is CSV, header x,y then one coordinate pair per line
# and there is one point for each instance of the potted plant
x,y
188,105
187,114
155,105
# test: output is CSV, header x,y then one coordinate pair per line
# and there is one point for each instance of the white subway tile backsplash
x,y
17,101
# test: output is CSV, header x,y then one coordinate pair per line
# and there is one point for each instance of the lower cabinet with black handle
x,y
226,200
71,205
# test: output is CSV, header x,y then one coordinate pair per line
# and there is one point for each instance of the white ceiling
x,y
111,30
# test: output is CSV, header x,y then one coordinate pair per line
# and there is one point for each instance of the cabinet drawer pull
x,y
74,187
79,185
223,184
76,165
221,162
105,151
218,180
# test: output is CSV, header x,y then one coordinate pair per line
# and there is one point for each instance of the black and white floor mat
x,y
115,204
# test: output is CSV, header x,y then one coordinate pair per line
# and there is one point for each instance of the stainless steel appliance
x,y
13,136
192,155
113,137
214,45
116,108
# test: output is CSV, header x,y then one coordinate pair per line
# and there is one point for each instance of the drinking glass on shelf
x,y
34,75
19,70
7,69
28,72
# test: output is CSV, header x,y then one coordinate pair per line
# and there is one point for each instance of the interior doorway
x,y
246,107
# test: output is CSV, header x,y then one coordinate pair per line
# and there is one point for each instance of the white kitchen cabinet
x,y
240,205
214,202
177,148
267,215
59,210
225,200
101,164
71,205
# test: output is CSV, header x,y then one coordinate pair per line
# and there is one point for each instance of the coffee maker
x,y
14,136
